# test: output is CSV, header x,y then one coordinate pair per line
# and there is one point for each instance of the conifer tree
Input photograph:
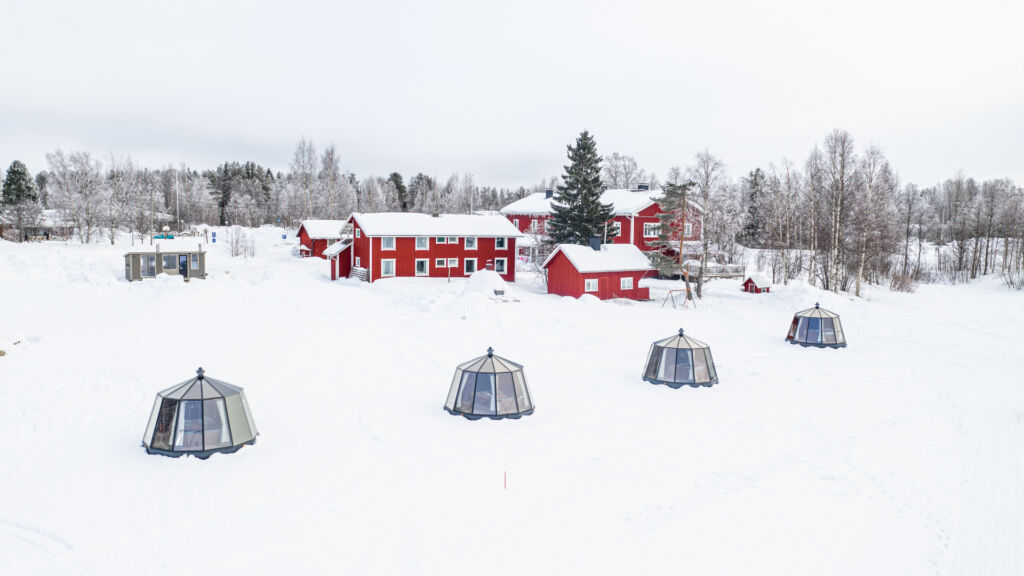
x,y
577,213
20,199
668,258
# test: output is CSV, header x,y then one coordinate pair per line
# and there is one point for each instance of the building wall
x,y
341,264
523,222
316,246
565,280
405,255
135,261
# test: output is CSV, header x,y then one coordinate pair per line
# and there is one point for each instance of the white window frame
x,y
626,283
453,239
501,243
515,222
426,267
358,265
193,261
453,262
466,261
441,240
504,265
687,229
590,285
468,240
384,267
440,262
426,242
533,225
383,246
650,226
359,233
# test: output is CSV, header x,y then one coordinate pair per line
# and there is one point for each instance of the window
x,y
533,225
515,222
169,262
422,243
590,285
625,283
358,233
148,265
358,263
387,243
195,261
331,241
441,240
470,243
500,264
470,265
453,239
453,262
687,230
387,267
650,230
501,243
440,263
421,266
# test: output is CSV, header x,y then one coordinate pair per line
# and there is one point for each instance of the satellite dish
x,y
167,228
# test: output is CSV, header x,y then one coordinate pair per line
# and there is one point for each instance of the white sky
x,y
498,89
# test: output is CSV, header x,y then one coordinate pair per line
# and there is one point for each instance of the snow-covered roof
x,y
760,279
168,247
610,258
624,202
337,247
321,229
416,224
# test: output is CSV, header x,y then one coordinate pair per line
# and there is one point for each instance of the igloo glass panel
x,y
484,400
700,366
522,395
652,362
215,424
684,366
453,392
465,401
828,332
164,425
814,330
840,337
189,435
240,429
792,329
506,394
711,364
801,330
667,369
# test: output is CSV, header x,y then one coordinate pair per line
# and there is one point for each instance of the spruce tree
x,y
577,213
20,198
668,258
752,234
400,190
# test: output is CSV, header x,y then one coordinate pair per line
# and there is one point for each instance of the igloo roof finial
x,y
200,372
680,331
816,305
490,352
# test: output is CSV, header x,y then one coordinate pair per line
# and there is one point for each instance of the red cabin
x,y
606,271
316,235
385,245
757,284
635,220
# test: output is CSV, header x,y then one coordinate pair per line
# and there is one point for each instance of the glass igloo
x,y
489,387
816,327
199,417
680,360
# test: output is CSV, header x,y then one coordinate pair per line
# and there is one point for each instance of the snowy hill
x,y
901,454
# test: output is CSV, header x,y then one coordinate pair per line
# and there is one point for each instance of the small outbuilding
x,y
316,235
816,327
187,260
757,284
603,270
200,416
680,360
489,386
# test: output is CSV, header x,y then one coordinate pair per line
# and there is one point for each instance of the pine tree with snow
x,y
668,258
20,198
577,213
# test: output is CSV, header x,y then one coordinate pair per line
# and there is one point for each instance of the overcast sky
x,y
498,89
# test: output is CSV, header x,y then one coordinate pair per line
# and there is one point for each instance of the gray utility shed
x,y
187,261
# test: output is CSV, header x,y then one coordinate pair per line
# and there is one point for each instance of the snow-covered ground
x,y
901,454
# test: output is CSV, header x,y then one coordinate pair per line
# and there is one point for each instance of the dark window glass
x,y
792,329
189,435
684,366
652,363
164,425
506,394
801,331
828,333
484,401
814,330
465,403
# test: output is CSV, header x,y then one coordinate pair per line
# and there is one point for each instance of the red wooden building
x,y
606,271
757,284
385,245
635,219
316,235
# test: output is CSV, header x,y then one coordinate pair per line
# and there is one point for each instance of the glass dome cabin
x,y
199,417
680,360
489,387
816,327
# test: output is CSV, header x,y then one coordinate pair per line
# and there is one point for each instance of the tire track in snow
x,y
26,549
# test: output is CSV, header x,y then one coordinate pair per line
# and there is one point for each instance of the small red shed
x,y
316,235
756,284
604,270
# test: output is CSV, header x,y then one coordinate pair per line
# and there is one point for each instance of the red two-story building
x,y
385,245
635,216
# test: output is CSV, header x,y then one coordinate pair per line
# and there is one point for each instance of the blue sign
x,y
214,240
284,236
214,234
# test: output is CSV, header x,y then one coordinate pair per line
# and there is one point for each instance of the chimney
x,y
549,192
595,243
643,186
